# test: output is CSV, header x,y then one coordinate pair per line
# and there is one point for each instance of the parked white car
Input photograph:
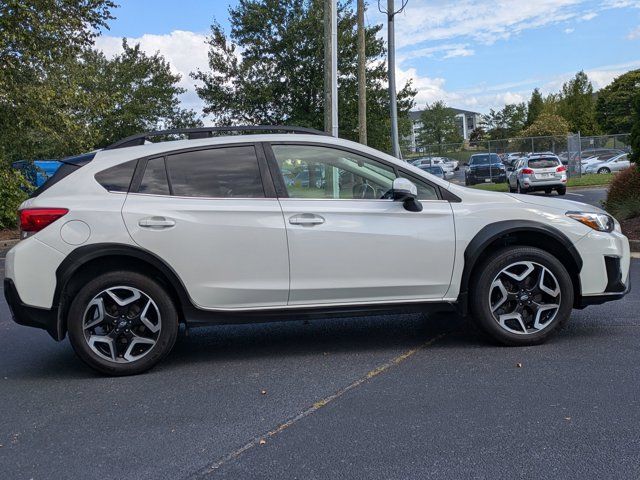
x,y
439,161
613,164
122,245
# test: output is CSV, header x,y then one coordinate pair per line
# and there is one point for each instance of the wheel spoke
x,y
524,297
104,340
126,337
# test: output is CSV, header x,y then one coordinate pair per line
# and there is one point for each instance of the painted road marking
x,y
259,440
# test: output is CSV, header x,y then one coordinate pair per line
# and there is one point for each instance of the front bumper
x,y
616,287
43,318
495,178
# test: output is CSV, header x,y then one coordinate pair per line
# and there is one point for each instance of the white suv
x,y
123,245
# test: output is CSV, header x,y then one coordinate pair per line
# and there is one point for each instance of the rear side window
x,y
543,163
216,173
154,181
69,165
118,178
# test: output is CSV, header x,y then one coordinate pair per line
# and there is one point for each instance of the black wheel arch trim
x,y
82,255
494,231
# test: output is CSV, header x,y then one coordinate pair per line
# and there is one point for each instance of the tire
x,y
519,189
603,170
562,190
511,189
136,331
547,191
486,293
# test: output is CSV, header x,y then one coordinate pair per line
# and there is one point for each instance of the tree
x,y
477,135
547,125
635,132
35,38
438,125
139,93
614,105
577,105
535,107
270,71
505,123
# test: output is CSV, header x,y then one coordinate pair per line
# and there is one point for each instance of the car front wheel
x,y
603,170
521,296
122,323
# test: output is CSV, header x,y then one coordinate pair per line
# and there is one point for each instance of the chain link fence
x,y
572,149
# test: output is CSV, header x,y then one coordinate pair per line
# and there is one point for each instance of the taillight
x,y
527,171
561,169
33,220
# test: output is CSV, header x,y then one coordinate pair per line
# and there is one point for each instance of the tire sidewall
x,y
482,283
168,314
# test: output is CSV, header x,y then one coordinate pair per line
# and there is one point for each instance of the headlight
x,y
598,221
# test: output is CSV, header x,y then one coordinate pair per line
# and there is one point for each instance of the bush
x,y
14,190
623,199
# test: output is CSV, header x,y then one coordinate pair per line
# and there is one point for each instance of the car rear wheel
x,y
122,323
521,296
562,190
520,189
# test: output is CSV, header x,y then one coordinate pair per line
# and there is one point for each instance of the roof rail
x,y
206,132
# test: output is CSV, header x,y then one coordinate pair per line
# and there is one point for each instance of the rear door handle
x,y
156,222
306,219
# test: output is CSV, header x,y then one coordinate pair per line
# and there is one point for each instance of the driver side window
x,y
311,171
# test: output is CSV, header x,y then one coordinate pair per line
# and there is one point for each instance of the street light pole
x,y
391,61
362,76
331,67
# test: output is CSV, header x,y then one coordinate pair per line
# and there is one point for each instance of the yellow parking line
x,y
319,404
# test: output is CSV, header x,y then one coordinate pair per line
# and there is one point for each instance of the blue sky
x,y
474,54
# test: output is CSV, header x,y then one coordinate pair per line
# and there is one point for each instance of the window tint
x,y
118,178
543,163
425,190
154,180
322,172
218,173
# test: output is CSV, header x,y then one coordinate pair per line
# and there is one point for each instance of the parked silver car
x,y
614,164
437,171
538,172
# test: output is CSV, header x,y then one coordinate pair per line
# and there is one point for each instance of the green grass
x,y
592,180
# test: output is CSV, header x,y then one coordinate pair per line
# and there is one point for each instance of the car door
x,y
348,243
212,216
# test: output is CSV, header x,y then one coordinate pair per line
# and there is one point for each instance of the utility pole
x,y
362,77
391,65
331,67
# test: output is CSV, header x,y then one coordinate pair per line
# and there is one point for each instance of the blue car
x,y
38,171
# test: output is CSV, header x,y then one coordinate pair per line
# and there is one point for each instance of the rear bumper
x,y
22,314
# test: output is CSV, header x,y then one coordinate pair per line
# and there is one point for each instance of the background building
x,y
466,121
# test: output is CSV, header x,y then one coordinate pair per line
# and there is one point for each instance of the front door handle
x,y
306,219
156,222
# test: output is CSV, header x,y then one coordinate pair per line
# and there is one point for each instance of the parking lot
x,y
406,396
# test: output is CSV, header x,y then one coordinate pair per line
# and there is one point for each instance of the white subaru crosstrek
x,y
122,245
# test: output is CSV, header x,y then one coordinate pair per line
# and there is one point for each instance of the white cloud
x,y
459,52
449,50
588,16
633,34
185,51
569,30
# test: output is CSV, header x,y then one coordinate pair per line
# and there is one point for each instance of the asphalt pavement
x,y
404,396
383,397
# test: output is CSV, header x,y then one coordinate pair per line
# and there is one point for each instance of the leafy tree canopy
x,y
438,125
270,70
547,125
505,123
614,106
535,107
577,105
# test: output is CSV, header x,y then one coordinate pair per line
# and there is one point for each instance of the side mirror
x,y
510,169
465,164
405,191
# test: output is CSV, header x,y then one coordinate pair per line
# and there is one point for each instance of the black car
x,y
485,168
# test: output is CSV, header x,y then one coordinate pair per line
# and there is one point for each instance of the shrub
x,y
14,190
623,199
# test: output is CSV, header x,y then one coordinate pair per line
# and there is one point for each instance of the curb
x,y
634,245
8,243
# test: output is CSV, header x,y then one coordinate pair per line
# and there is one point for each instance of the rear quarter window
x,y
118,178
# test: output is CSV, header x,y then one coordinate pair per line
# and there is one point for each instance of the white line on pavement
x,y
576,194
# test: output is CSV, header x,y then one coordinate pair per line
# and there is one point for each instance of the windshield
x,y
433,170
483,159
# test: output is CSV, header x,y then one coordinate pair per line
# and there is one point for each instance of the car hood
x,y
555,203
